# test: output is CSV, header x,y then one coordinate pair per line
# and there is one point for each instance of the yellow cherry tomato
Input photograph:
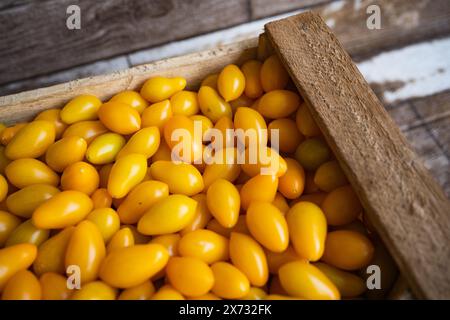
x,y
212,105
106,220
278,104
128,267
8,223
273,75
255,293
140,199
62,210
182,138
126,173
132,98
225,166
348,250
31,141
80,176
119,117
263,160
259,188
341,206
158,88
202,215
249,257
205,122
88,130
168,241
80,108
292,183
156,115
224,202
4,161
64,152
170,214
303,280
330,176
226,139
276,259
307,229
86,250
51,254
105,148
312,153
101,198
143,291
305,122
229,281
185,103
123,238
14,259
145,141
190,276
288,134
53,115
268,226
252,71
231,82
8,133
26,172
253,125
281,203
54,287
22,286
167,292
205,245
27,233
96,290
210,81
182,178
3,188
348,284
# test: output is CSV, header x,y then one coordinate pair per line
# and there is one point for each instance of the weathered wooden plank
x,y
35,40
406,205
193,67
266,8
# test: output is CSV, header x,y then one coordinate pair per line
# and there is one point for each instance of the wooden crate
x,y
406,206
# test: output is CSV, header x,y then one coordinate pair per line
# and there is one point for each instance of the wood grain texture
x,y
266,8
194,67
407,206
34,38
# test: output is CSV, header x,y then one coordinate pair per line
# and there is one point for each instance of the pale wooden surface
x,y
408,208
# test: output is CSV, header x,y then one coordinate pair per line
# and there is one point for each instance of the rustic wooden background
x,y
407,61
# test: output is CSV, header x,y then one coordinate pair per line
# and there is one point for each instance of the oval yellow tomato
x,y
22,286
229,281
62,210
81,108
88,130
54,287
65,152
205,245
105,148
128,267
185,103
27,233
8,223
119,117
157,89
132,98
31,141
26,172
278,104
145,141
170,214
106,220
86,250
156,115
273,75
126,173
53,115
224,202
182,178
252,71
14,259
259,188
253,125
231,82
308,230
212,105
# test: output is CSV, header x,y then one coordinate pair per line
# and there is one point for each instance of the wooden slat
x,y
406,205
34,38
194,67
266,8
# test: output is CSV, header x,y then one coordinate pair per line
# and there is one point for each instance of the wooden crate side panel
x,y
408,208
